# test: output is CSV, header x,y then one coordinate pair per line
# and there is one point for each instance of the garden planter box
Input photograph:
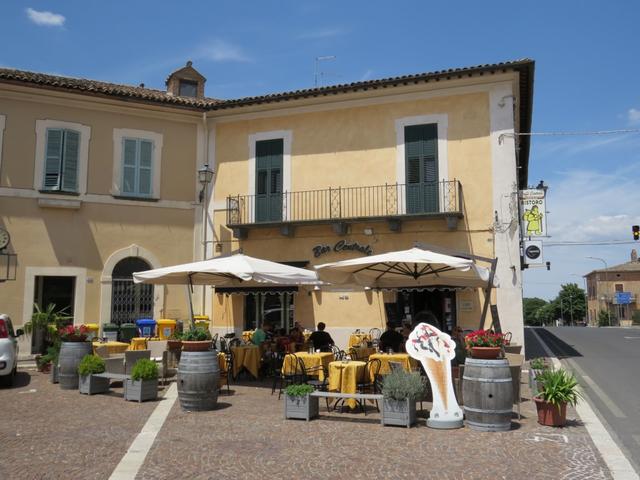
x,y
140,390
399,412
305,407
91,385
54,374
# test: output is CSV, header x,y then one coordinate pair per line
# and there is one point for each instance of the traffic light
x,y
636,232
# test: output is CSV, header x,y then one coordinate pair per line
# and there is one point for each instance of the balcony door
x,y
421,156
269,155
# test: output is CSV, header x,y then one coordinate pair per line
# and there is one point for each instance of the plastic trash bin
x,y
93,329
201,321
128,331
166,327
110,331
146,327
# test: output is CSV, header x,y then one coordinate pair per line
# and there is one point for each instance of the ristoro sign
x,y
342,246
533,211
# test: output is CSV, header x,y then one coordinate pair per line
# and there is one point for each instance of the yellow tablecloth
x,y
138,343
407,362
112,347
247,335
247,356
311,362
362,353
358,338
343,377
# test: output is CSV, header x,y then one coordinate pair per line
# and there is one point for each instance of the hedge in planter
x,y
400,390
90,384
299,404
143,384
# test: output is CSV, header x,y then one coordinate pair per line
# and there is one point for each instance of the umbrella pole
x,y
189,297
487,293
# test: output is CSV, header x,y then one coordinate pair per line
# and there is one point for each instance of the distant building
x,y
616,290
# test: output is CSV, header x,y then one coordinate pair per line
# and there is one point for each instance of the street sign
x,y
623,298
533,252
534,213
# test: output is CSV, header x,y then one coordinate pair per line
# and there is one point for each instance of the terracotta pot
x,y
551,415
486,353
174,344
195,346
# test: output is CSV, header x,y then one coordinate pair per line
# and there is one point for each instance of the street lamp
x,y
205,176
606,302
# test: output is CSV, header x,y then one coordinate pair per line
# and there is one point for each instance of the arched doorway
x,y
130,301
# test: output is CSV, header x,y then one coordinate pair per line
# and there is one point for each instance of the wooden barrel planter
x,y
70,355
488,395
198,375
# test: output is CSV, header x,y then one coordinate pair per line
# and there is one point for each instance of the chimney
x,y
634,255
186,82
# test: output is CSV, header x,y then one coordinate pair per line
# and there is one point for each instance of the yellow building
x,y
303,177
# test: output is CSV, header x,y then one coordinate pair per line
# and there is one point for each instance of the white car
x,y
8,351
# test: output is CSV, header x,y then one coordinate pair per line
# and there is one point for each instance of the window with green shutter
x,y
421,157
137,171
269,156
61,163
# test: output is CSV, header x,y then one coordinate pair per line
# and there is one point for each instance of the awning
x,y
254,290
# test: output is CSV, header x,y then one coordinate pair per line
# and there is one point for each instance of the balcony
x,y
393,203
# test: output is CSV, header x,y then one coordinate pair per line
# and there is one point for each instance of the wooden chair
x,y
369,381
227,372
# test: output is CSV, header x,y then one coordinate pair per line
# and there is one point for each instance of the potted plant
x,y
299,404
401,390
196,340
88,382
73,348
143,384
536,367
484,344
174,342
39,324
557,389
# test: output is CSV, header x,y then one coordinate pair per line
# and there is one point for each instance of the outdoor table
x,y
358,338
112,347
247,356
247,335
363,353
138,343
312,361
407,362
344,376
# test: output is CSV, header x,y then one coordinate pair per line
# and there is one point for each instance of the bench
x,y
356,396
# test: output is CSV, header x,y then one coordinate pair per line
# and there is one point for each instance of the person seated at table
x,y
321,340
261,334
391,339
295,334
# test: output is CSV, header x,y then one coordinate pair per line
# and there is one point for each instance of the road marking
x,y
130,464
619,466
550,437
630,338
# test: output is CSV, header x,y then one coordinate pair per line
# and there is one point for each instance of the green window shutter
x,y
421,157
129,153
269,157
53,159
70,163
144,168
137,167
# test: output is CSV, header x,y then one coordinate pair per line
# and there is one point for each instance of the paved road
x,y
607,363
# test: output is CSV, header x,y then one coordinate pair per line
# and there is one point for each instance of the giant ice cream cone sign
x,y
435,350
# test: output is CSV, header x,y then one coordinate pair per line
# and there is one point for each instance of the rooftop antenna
x,y
317,69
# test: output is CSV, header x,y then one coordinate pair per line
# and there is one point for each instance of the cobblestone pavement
x,y
49,433
247,437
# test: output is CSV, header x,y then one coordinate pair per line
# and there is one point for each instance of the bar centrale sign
x,y
342,246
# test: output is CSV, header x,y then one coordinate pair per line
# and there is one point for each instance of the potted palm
x,y
143,384
196,340
557,388
401,390
88,382
299,404
38,326
484,344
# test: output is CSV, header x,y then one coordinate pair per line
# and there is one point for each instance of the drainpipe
x,y
205,203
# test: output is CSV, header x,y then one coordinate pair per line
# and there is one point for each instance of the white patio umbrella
x,y
415,267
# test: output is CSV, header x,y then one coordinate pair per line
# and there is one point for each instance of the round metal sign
x,y
533,252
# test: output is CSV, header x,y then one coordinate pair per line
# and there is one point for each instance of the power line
x,y
555,134
603,242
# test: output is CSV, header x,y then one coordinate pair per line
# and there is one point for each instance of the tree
x,y
570,304
546,314
529,308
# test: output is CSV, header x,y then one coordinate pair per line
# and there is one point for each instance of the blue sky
x,y
587,76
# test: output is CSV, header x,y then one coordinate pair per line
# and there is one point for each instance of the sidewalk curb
x,y
618,464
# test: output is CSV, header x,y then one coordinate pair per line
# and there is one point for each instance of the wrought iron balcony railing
x,y
442,198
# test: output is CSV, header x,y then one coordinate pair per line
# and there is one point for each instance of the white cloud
x,y
366,75
322,33
221,51
47,19
633,115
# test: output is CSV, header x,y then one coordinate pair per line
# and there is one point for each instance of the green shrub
x,y
50,357
196,334
298,390
636,317
538,363
399,385
144,369
605,319
91,364
558,387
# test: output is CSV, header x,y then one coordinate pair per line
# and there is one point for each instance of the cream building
x,y
303,177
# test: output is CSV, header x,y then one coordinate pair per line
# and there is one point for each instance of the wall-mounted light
x,y
368,231
205,176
